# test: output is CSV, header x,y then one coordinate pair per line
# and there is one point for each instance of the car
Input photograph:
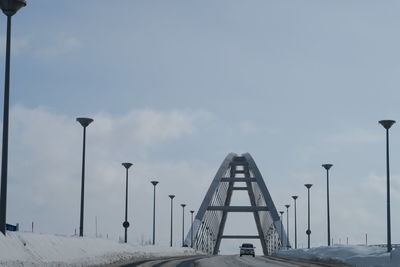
x,y
247,249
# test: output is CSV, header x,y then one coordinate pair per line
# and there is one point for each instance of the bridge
x,y
237,172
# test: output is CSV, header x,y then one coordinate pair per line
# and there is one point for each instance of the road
x,y
227,261
165,262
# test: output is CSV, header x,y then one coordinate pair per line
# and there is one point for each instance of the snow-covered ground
x,y
27,249
369,256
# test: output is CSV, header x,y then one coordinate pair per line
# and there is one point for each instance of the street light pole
x,y
127,165
191,229
9,8
183,224
172,200
85,123
295,222
287,225
154,183
387,124
327,167
308,232
281,212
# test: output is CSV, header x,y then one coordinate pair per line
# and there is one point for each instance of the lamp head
x,y
154,182
10,7
281,212
171,196
327,166
84,121
127,165
308,185
387,123
295,197
287,206
192,211
183,205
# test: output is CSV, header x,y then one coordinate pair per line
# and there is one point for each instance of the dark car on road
x,y
247,249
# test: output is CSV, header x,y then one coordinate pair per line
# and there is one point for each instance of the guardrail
x,y
384,245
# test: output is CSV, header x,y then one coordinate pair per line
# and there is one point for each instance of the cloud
x,y
148,127
45,176
54,47
353,136
45,169
58,46
247,127
19,44
337,143
33,45
376,184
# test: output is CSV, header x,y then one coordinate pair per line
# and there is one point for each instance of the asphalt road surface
x,y
166,262
228,261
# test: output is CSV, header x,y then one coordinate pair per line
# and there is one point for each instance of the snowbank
x,y
27,249
371,256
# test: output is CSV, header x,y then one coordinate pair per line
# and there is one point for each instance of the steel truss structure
x,y
236,173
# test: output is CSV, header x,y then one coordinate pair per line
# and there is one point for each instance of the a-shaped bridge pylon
x,y
208,227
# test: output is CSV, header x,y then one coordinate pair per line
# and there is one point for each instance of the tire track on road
x,y
187,261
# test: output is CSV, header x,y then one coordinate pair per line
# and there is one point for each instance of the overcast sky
x,y
174,86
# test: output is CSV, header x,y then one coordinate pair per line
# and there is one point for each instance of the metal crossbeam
x,y
238,179
240,236
238,208
240,188
234,164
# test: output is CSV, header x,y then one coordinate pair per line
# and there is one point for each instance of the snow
x,y
368,256
27,249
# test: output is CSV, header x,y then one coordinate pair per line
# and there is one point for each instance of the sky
x,y
174,86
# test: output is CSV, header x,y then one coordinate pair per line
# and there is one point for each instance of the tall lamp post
x,y
154,183
125,224
387,124
295,221
287,226
85,123
191,229
327,167
172,200
9,8
281,212
308,232
183,224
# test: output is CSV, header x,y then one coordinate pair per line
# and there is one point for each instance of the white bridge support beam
x,y
208,227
